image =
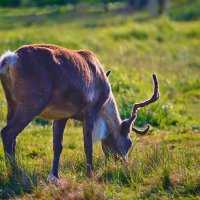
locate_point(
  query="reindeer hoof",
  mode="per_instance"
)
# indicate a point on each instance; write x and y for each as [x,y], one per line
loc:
[90,174]
[52,179]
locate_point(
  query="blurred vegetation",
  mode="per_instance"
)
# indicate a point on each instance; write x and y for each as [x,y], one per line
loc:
[134,45]
[176,9]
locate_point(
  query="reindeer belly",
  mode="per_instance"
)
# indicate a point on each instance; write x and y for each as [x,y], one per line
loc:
[66,103]
[56,112]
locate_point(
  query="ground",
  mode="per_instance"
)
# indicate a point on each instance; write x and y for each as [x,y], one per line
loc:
[161,165]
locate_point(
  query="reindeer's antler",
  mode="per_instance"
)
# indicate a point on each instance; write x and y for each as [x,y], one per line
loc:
[108,73]
[141,132]
[154,98]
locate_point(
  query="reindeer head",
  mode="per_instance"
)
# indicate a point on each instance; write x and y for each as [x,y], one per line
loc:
[121,144]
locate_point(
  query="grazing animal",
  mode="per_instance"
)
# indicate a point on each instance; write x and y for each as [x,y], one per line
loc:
[57,83]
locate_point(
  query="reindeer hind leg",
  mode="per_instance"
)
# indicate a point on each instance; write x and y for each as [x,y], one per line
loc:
[16,122]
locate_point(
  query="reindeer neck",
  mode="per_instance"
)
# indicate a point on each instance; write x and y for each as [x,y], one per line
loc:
[111,115]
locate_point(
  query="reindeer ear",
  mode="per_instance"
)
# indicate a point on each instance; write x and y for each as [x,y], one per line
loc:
[108,73]
[125,127]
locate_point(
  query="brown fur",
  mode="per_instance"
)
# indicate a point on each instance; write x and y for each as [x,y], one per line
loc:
[55,83]
[71,77]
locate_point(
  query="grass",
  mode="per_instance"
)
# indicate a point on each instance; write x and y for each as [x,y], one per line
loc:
[162,165]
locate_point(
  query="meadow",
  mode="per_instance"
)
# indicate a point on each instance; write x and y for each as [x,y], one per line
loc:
[165,164]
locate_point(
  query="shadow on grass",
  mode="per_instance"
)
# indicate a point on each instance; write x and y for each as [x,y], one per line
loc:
[90,18]
[40,16]
[183,191]
[17,184]
[191,190]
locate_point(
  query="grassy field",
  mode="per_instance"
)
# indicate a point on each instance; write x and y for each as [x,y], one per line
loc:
[163,165]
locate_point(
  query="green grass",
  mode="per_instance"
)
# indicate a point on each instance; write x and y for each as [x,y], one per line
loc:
[162,165]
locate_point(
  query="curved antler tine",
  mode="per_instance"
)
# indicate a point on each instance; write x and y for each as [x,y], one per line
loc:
[141,132]
[108,74]
[154,97]
[156,90]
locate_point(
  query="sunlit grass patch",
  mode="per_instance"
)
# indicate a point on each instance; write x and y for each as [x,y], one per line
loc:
[161,165]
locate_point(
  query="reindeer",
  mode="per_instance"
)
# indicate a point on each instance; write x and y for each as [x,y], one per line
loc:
[58,84]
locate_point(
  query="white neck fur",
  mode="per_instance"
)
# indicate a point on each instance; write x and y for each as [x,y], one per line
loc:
[108,120]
